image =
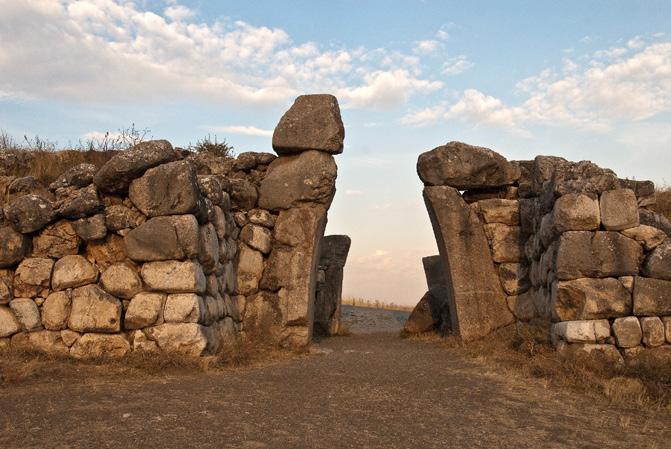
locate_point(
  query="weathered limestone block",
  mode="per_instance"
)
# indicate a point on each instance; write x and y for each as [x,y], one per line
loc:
[522,305]
[117,173]
[312,123]
[576,212]
[261,217]
[56,240]
[648,236]
[143,344]
[434,272]
[91,228]
[174,276]
[183,338]
[73,271]
[94,310]
[500,211]
[9,325]
[596,254]
[583,331]
[653,331]
[96,346]
[77,203]
[184,308]
[652,297]
[514,278]
[118,217]
[13,246]
[291,180]
[590,299]
[627,332]
[507,242]
[209,248]
[164,238]
[464,166]
[169,189]
[658,263]
[29,213]
[121,280]
[250,270]
[56,311]
[477,303]
[256,237]
[144,310]
[27,313]
[33,277]
[79,176]
[333,255]
[619,209]
[48,342]
[104,253]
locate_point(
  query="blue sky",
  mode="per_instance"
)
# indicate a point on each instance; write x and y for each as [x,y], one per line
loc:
[584,80]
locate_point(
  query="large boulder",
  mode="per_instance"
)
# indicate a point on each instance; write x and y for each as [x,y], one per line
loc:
[29,213]
[13,246]
[464,166]
[174,277]
[312,123]
[164,238]
[474,312]
[117,174]
[292,180]
[94,310]
[596,254]
[169,189]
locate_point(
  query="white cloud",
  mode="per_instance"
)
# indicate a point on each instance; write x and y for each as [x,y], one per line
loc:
[115,51]
[243,130]
[456,65]
[426,46]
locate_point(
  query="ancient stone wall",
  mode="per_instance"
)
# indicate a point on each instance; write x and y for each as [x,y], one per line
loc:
[162,249]
[553,240]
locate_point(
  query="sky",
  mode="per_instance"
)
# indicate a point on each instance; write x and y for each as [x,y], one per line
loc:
[578,79]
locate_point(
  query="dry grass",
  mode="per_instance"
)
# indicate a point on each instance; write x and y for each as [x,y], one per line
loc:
[663,202]
[526,350]
[360,302]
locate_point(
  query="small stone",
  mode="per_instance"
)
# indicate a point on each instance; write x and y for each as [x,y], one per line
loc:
[522,306]
[653,331]
[27,313]
[104,253]
[9,325]
[69,337]
[144,310]
[118,217]
[56,240]
[73,271]
[13,246]
[627,332]
[576,212]
[220,223]
[174,277]
[143,344]
[244,195]
[312,123]
[94,310]
[91,228]
[6,286]
[619,209]
[648,236]
[76,203]
[169,189]
[209,248]
[257,237]
[121,280]
[32,277]
[55,311]
[210,186]
[261,217]
[95,346]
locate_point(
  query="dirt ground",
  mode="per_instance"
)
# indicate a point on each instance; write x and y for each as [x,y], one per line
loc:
[362,391]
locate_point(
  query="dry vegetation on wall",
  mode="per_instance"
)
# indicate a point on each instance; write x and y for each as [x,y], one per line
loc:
[45,160]
[526,350]
[663,202]
[375,304]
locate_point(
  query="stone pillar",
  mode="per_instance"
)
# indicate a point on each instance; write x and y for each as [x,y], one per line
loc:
[334,250]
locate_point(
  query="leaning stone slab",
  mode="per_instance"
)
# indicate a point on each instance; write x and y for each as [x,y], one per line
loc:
[94,310]
[464,166]
[117,173]
[583,254]
[652,297]
[169,189]
[174,277]
[477,302]
[312,123]
[308,177]
[332,256]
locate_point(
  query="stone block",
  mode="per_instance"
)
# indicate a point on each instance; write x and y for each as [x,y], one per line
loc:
[658,263]
[184,308]
[507,242]
[9,325]
[174,277]
[653,331]
[257,237]
[522,306]
[121,280]
[576,212]
[514,278]
[104,253]
[56,240]
[649,236]
[250,270]
[91,228]
[190,339]
[27,313]
[73,271]
[145,309]
[667,328]
[590,299]
[119,216]
[29,213]
[94,310]
[48,342]
[13,246]
[261,217]
[582,331]
[500,211]
[652,297]
[169,189]
[56,311]
[97,346]
[164,238]
[209,248]
[619,209]
[33,277]
[627,332]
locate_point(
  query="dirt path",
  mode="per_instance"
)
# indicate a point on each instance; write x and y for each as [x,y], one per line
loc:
[366,391]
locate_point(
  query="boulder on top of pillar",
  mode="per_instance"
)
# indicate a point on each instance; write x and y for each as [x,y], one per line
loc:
[312,123]
[464,166]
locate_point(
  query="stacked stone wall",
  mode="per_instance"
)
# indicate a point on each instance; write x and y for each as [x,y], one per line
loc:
[566,242]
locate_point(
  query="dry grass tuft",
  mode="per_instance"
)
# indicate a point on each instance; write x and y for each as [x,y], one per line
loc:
[375,304]
[527,350]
